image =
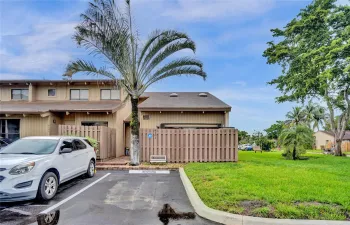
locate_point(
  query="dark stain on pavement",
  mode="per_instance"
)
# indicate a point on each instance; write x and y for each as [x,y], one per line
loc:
[167,213]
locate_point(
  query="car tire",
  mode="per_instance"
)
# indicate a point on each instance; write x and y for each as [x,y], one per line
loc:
[47,187]
[91,169]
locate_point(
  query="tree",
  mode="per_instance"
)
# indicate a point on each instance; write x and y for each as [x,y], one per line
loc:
[296,139]
[107,32]
[296,116]
[319,117]
[275,130]
[314,115]
[242,135]
[314,52]
[327,125]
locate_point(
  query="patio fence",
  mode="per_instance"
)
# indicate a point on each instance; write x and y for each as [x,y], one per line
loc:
[190,145]
[105,136]
[345,146]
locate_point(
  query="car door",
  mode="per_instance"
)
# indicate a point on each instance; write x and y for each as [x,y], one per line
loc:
[81,155]
[65,162]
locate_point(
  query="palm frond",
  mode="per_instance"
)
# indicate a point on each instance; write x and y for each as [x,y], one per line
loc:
[158,41]
[86,67]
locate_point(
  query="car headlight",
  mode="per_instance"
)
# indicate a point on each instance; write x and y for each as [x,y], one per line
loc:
[22,168]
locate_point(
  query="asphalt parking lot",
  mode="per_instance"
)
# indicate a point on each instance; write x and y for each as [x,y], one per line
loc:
[111,197]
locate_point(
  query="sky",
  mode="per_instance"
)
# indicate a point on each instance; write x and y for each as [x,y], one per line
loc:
[230,35]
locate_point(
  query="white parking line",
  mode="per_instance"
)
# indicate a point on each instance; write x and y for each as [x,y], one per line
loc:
[149,172]
[72,196]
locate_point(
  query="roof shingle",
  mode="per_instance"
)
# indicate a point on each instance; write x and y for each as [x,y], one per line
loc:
[184,101]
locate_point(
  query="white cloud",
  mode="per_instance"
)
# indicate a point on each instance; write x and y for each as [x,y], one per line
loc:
[194,10]
[257,94]
[240,83]
[11,76]
[46,48]
[47,36]
[343,2]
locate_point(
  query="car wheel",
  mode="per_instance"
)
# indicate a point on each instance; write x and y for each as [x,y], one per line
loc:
[48,186]
[91,169]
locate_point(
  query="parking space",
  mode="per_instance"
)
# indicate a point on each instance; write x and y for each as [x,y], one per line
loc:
[115,197]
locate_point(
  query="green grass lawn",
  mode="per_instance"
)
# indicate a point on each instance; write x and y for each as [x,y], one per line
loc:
[267,185]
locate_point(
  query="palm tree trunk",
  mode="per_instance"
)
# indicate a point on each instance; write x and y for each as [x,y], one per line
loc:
[337,151]
[135,132]
[295,152]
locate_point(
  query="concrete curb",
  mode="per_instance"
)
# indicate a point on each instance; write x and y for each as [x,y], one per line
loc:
[106,167]
[234,219]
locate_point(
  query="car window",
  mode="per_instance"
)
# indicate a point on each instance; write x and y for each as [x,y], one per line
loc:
[2,143]
[87,141]
[68,143]
[79,144]
[31,146]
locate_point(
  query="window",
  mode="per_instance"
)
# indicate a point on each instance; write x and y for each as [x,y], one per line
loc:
[31,146]
[79,94]
[68,143]
[19,94]
[110,94]
[51,92]
[79,144]
[9,129]
[95,123]
[145,117]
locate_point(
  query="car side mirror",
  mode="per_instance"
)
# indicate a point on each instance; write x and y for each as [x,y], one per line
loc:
[66,150]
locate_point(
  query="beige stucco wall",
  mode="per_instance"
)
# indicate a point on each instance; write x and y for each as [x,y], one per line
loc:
[63,92]
[32,125]
[40,92]
[122,114]
[156,118]
[322,138]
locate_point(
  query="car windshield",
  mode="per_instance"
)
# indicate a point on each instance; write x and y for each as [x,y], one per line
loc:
[31,146]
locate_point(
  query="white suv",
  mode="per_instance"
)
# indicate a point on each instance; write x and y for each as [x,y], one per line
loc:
[33,167]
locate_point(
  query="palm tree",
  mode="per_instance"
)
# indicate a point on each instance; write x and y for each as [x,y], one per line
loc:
[296,116]
[314,115]
[296,139]
[319,117]
[309,111]
[108,32]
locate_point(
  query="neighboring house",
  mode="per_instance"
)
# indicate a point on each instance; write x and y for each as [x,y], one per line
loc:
[38,107]
[325,138]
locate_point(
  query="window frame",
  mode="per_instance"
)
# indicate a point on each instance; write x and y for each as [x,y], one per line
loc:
[80,99]
[110,94]
[61,144]
[51,96]
[20,89]
[76,147]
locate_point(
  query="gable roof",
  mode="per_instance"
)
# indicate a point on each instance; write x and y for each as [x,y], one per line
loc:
[346,135]
[185,101]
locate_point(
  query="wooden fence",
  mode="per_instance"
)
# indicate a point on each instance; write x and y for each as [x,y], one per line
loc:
[186,145]
[105,136]
[345,146]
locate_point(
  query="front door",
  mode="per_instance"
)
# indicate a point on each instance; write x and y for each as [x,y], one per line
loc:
[9,129]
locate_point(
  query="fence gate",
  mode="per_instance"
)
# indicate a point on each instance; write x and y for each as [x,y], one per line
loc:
[186,145]
[105,136]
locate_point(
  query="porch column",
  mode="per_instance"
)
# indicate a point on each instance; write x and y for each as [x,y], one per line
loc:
[31,93]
